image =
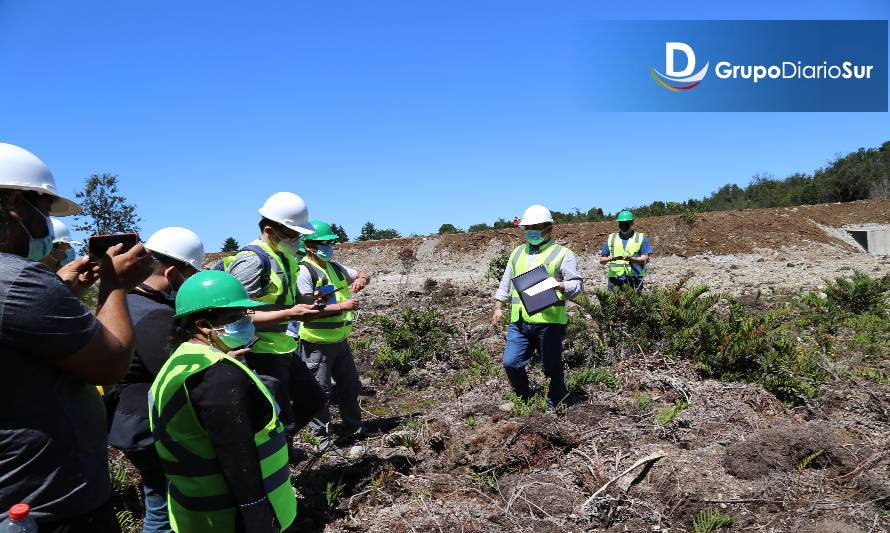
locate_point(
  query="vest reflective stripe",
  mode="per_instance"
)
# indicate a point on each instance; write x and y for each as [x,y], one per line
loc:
[334,328]
[619,268]
[199,497]
[279,295]
[551,256]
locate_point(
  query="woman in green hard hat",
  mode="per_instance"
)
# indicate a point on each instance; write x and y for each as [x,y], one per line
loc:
[215,424]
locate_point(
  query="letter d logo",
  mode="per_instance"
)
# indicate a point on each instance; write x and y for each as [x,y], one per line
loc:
[674,80]
[669,51]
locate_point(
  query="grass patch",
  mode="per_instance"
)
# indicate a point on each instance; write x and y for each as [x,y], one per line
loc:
[592,376]
[535,404]
[668,414]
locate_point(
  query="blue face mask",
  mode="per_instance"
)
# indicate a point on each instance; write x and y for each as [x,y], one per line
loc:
[69,257]
[534,236]
[238,333]
[40,247]
[325,252]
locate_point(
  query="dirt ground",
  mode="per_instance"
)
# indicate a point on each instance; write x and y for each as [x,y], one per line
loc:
[441,455]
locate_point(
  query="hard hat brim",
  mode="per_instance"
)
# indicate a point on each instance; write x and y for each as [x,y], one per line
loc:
[61,206]
[305,229]
[231,305]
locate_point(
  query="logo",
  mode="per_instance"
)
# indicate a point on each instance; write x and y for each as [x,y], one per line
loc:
[683,80]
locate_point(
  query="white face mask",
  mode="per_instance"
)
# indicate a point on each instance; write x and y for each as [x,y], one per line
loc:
[289,246]
[38,248]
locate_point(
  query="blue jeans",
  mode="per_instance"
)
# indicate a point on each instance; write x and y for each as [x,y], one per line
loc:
[524,338]
[154,485]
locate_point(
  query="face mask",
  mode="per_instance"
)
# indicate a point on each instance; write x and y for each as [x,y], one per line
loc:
[624,227]
[69,257]
[40,247]
[237,334]
[289,246]
[325,252]
[534,236]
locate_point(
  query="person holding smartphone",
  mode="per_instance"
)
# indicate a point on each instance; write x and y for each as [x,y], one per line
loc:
[323,341]
[178,255]
[215,424]
[53,353]
[625,254]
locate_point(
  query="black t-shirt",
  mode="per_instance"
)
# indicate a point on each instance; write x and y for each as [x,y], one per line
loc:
[52,424]
[152,316]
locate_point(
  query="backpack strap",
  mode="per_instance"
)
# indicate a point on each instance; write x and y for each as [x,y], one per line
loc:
[265,264]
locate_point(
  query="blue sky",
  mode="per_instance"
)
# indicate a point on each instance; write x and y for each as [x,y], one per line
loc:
[407,114]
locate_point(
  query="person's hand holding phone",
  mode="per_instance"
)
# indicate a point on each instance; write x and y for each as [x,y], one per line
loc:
[79,275]
[125,270]
[303,312]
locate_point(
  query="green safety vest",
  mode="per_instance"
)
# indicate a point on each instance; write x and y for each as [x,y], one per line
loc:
[334,328]
[619,268]
[279,294]
[198,497]
[550,255]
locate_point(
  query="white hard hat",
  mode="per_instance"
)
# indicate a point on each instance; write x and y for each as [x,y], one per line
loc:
[61,232]
[178,243]
[536,214]
[21,170]
[289,210]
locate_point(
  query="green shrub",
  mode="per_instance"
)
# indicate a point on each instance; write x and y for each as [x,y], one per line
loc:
[670,413]
[482,364]
[498,265]
[536,403]
[389,359]
[592,376]
[416,336]
[710,521]
[642,401]
[859,294]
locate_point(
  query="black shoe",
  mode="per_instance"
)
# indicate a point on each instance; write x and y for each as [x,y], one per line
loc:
[295,455]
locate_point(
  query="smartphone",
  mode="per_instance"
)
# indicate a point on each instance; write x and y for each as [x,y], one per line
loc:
[251,343]
[327,292]
[99,244]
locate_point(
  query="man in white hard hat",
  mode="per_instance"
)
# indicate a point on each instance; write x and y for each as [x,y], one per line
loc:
[63,252]
[54,353]
[178,254]
[543,331]
[268,268]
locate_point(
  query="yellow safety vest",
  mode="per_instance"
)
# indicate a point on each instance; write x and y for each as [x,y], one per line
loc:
[334,328]
[619,268]
[550,255]
[199,498]
[279,294]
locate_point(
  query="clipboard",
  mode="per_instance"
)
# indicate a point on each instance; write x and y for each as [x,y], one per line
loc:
[537,303]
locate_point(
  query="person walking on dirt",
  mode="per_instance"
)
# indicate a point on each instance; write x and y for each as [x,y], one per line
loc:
[216,428]
[178,254]
[625,254]
[268,270]
[54,352]
[323,341]
[543,331]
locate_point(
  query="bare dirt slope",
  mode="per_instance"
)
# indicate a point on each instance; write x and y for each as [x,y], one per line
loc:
[737,251]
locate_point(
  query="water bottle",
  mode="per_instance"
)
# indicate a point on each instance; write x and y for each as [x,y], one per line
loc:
[19,521]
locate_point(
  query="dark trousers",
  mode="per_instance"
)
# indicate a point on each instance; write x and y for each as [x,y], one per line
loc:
[522,340]
[293,386]
[102,520]
[154,487]
[334,361]
[633,283]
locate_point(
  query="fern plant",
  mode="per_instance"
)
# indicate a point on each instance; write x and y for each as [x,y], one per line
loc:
[711,520]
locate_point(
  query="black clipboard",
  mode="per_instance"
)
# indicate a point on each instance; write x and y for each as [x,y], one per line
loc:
[537,303]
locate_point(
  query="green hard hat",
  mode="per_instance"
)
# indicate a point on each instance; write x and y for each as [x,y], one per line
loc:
[323,232]
[211,289]
[625,216]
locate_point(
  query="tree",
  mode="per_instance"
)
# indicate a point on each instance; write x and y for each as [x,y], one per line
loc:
[446,229]
[341,233]
[478,227]
[371,233]
[368,232]
[105,210]
[230,245]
